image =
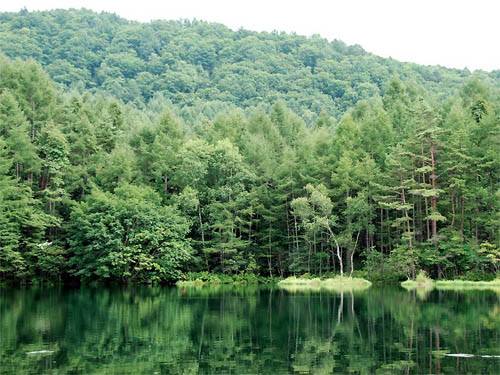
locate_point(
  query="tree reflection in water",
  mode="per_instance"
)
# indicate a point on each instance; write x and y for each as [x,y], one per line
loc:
[243,330]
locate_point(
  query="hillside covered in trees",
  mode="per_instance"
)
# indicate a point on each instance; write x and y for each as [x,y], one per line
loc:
[140,152]
[208,66]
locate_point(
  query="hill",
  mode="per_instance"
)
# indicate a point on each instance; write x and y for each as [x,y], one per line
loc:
[174,150]
[189,62]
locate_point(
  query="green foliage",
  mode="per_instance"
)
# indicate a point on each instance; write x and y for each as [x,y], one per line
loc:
[204,277]
[246,329]
[127,235]
[188,62]
[381,268]
[22,229]
[477,275]
[422,277]
[239,154]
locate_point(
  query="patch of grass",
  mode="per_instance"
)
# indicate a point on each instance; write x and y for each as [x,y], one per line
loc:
[424,283]
[346,281]
[207,278]
[468,285]
[495,282]
[421,281]
[196,282]
[294,284]
[292,280]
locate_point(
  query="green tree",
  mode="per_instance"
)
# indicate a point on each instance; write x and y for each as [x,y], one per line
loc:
[127,235]
[315,211]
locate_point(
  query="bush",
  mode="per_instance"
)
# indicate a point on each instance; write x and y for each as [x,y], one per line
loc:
[478,275]
[379,267]
[218,278]
[127,235]
[422,277]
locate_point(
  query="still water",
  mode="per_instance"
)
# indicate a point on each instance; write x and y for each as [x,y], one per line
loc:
[247,330]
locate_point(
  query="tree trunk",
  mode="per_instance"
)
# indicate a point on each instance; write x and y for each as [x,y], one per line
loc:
[339,256]
[269,252]
[425,199]
[352,254]
[452,209]
[434,198]
[203,238]
[462,217]
[408,228]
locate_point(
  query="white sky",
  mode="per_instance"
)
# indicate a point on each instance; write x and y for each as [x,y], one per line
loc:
[433,32]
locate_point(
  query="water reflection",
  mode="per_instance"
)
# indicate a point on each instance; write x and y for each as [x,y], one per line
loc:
[247,330]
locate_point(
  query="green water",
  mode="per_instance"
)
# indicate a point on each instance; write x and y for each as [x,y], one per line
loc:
[247,330]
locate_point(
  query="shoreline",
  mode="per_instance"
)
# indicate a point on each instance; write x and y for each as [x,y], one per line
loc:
[429,284]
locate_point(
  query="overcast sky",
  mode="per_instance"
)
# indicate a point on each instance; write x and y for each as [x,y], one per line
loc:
[433,32]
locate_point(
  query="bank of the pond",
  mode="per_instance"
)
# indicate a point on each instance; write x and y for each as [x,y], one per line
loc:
[423,282]
[207,278]
[335,283]
[304,281]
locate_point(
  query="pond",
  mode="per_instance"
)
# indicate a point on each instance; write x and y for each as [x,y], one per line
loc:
[247,330]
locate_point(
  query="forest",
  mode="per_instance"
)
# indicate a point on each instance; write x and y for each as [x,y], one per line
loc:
[146,153]
[208,68]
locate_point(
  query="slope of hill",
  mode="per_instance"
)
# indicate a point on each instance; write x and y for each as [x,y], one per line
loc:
[225,180]
[189,62]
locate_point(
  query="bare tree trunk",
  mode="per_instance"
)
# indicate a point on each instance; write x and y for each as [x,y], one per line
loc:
[203,238]
[296,239]
[452,209]
[434,198]
[352,253]
[425,199]
[339,256]
[462,217]
[408,228]
[309,250]
[288,232]
[269,251]
[381,230]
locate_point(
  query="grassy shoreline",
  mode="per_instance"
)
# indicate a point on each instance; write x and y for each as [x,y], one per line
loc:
[207,278]
[468,285]
[422,282]
[304,282]
[337,283]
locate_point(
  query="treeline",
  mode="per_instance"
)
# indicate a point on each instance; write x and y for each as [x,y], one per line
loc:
[91,189]
[208,67]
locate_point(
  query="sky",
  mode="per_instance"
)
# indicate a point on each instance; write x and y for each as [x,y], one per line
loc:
[455,34]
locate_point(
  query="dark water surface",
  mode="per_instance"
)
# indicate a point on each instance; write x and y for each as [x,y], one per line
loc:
[247,330]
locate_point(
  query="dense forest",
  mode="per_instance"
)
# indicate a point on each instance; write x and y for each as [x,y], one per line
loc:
[206,67]
[141,152]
